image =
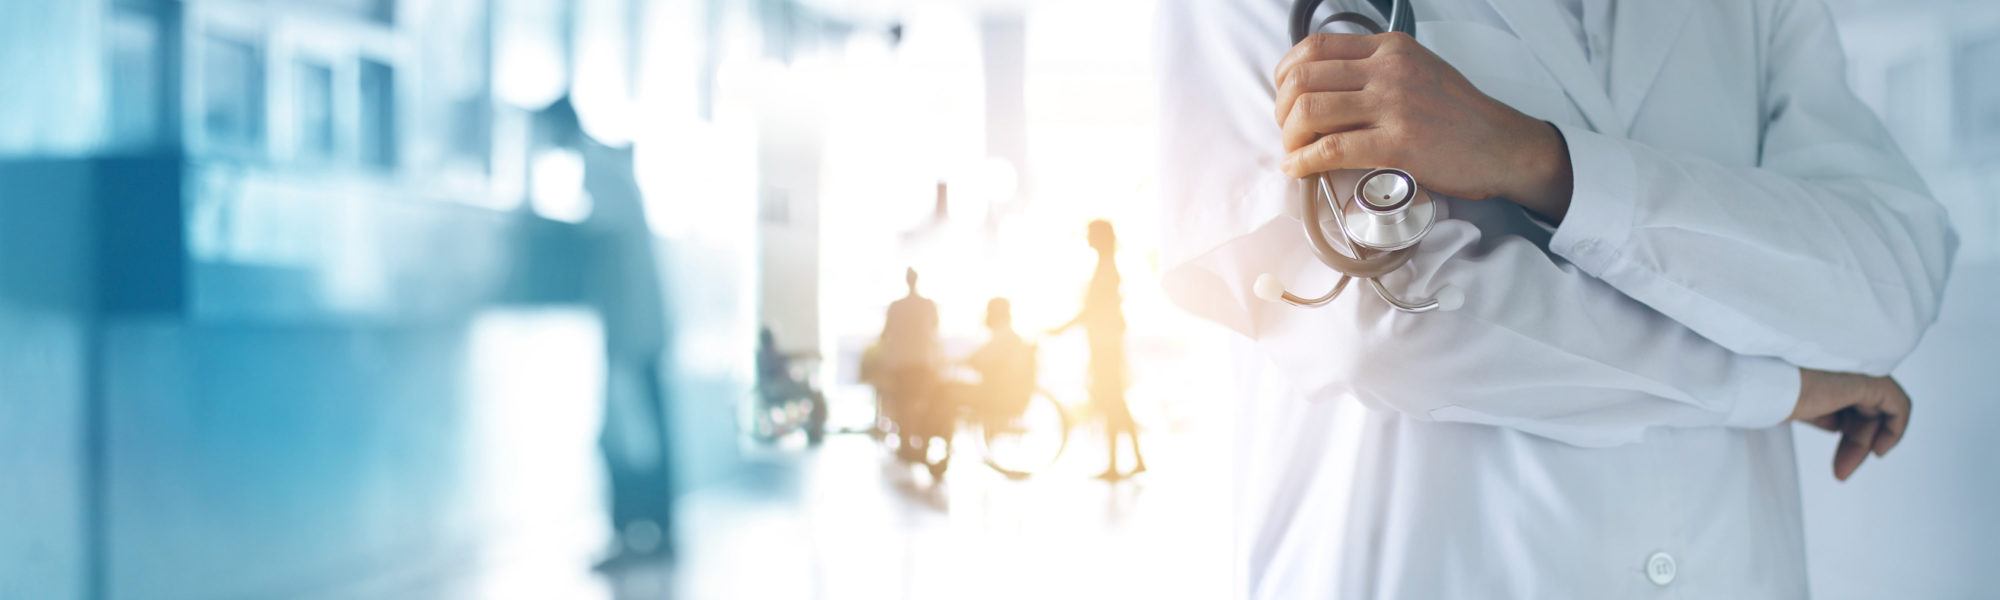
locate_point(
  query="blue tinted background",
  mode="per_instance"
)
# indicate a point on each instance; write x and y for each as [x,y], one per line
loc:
[297,297]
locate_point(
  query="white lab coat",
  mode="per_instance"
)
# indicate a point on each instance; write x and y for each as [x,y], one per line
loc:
[1604,414]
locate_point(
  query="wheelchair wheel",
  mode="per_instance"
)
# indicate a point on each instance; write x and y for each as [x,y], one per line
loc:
[771,421]
[768,422]
[1029,442]
[937,456]
[921,438]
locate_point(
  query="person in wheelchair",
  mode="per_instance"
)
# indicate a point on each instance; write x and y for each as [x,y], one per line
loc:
[778,384]
[1006,368]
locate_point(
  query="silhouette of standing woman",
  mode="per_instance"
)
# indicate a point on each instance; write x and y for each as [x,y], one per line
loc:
[1103,324]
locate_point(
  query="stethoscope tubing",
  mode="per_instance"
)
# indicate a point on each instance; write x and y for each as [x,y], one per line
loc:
[1398,11]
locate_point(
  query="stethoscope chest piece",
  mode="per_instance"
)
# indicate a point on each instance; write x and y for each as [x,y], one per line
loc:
[1386,212]
[1382,220]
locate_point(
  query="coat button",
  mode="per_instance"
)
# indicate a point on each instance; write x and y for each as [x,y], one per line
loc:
[1660,568]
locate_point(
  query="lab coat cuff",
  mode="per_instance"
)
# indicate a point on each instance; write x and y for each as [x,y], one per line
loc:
[1767,396]
[1599,220]
[1539,222]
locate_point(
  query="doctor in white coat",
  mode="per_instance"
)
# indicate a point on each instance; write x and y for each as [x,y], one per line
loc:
[1675,227]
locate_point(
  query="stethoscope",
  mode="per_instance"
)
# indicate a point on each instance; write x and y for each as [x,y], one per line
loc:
[1382,218]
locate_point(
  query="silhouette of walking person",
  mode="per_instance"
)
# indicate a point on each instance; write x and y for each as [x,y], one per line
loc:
[910,358]
[1103,322]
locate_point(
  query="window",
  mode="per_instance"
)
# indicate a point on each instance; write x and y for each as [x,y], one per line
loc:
[312,109]
[136,65]
[232,93]
[378,115]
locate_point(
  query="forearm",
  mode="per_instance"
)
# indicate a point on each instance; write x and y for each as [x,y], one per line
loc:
[1820,246]
[1547,182]
[1825,266]
[1538,347]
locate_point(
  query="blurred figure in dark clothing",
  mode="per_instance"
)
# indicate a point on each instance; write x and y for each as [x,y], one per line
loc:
[623,284]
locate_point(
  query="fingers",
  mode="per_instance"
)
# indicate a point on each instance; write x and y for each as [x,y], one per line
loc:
[1896,411]
[1323,76]
[1857,437]
[1357,149]
[1326,46]
[1866,409]
[1321,113]
[1892,432]
[1872,415]
[1322,108]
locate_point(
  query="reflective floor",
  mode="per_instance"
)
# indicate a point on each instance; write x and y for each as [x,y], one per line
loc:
[844,521]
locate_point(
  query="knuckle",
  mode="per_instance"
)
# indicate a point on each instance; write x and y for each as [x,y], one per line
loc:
[1328,149]
[1319,44]
[1312,158]
[1311,104]
[1390,65]
[1334,106]
[1387,43]
[1303,117]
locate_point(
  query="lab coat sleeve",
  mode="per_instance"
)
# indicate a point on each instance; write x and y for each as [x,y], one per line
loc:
[1539,346]
[1829,253]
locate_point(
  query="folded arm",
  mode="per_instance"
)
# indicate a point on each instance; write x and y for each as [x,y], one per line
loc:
[1540,346]
[1829,253]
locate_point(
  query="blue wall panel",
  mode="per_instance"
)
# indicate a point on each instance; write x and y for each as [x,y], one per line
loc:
[259,460]
[45,296]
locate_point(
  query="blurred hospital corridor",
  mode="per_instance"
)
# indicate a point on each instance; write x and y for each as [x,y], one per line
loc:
[745,300]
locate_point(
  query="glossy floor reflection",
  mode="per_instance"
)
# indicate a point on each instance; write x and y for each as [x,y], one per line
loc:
[844,521]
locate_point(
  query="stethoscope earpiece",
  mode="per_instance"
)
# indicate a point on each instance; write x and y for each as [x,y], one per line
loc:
[1268,288]
[1450,298]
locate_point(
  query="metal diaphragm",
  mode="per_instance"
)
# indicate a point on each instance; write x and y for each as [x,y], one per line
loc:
[1387,211]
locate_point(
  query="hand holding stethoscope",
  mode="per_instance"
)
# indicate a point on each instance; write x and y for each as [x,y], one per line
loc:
[1348,103]
[1382,218]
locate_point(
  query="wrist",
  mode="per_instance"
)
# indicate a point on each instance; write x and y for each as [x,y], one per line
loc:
[1808,388]
[1544,182]
[1823,393]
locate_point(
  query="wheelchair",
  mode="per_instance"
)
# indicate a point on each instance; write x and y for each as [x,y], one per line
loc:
[922,410]
[787,405]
